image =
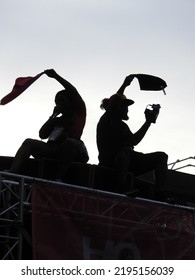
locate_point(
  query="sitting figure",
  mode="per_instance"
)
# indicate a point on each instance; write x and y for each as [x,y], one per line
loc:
[63,130]
[116,142]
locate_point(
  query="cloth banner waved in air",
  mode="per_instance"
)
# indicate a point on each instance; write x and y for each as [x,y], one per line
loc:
[21,84]
[149,82]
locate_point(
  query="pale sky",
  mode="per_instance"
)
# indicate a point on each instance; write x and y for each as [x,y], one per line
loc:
[95,44]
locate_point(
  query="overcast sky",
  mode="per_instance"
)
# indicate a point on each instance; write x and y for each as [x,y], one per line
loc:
[95,44]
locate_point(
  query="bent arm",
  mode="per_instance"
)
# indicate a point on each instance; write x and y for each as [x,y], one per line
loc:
[71,90]
[139,135]
[53,74]
[125,84]
[47,128]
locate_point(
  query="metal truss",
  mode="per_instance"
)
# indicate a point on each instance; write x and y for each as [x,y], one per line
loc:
[14,203]
[172,165]
[15,206]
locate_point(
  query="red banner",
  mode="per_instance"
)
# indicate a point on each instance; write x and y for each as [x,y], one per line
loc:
[21,84]
[75,223]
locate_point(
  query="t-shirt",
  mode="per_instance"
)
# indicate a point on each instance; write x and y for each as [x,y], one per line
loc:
[111,135]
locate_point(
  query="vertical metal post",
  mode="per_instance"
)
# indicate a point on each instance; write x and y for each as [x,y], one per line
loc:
[20,216]
[1,193]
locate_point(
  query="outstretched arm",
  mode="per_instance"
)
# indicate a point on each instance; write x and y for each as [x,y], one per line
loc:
[71,91]
[53,74]
[125,84]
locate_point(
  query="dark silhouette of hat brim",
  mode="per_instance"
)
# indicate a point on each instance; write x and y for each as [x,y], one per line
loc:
[121,98]
[128,102]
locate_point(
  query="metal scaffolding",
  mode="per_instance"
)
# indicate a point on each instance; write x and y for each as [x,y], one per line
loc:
[172,164]
[14,204]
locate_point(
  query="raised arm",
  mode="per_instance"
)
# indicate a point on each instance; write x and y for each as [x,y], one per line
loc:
[125,84]
[53,74]
[72,93]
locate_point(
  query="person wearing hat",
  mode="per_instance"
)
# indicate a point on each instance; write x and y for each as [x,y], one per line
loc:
[63,131]
[115,142]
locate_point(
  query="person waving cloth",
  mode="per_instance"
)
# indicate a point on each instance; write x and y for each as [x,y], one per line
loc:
[63,131]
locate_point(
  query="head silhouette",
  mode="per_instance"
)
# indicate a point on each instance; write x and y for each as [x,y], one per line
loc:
[62,101]
[117,105]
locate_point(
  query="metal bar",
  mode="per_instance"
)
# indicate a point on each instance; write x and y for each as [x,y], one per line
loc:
[20,216]
[10,250]
[178,161]
[8,209]
[187,165]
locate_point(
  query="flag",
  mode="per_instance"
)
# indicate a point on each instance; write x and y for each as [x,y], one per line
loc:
[21,84]
[149,82]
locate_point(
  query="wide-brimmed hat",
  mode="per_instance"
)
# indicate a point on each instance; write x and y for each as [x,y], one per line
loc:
[121,97]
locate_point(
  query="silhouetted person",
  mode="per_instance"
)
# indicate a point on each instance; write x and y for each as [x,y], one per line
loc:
[116,142]
[63,131]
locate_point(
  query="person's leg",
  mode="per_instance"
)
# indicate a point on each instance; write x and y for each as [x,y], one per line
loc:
[141,163]
[66,155]
[71,150]
[29,147]
[160,170]
[121,165]
[122,168]
[82,155]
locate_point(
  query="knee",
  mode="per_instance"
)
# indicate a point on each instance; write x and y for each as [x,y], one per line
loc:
[28,142]
[28,145]
[163,157]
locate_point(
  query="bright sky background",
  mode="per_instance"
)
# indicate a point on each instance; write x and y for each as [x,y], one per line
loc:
[95,44]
